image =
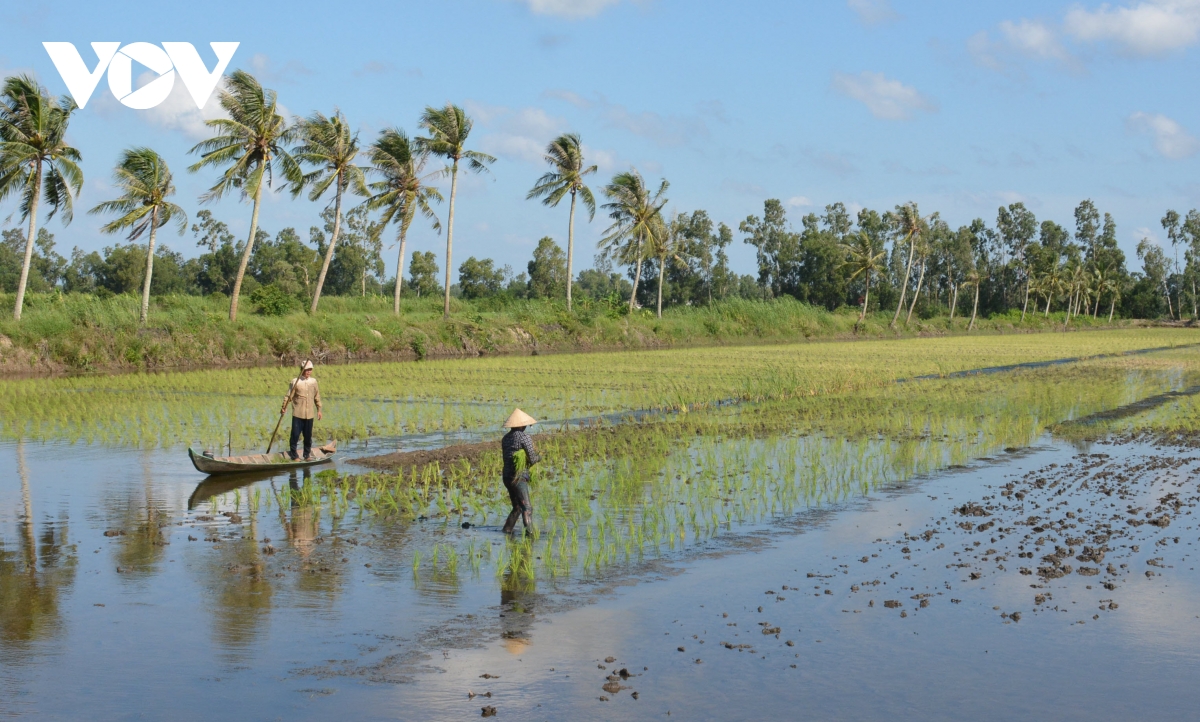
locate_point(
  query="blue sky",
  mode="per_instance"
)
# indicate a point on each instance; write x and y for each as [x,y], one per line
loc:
[959,106]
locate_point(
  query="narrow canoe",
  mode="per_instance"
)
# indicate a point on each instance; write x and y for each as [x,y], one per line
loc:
[277,461]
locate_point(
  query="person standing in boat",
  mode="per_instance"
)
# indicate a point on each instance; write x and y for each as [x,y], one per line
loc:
[519,454]
[305,399]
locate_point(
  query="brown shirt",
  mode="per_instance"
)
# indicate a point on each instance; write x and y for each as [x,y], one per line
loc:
[306,401]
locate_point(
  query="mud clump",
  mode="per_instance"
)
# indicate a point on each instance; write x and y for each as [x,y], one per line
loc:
[893,604]
[488,711]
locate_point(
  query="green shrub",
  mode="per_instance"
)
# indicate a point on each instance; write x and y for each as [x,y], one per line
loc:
[272,300]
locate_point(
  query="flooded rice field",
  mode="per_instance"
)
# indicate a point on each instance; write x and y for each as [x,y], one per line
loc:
[1016,543]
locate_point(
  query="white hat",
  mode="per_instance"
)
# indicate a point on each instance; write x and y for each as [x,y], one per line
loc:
[307,366]
[519,418]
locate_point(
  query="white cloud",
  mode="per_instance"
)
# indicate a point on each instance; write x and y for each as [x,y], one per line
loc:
[1140,28]
[264,68]
[873,12]
[669,130]
[743,188]
[520,134]
[984,51]
[1171,140]
[179,112]
[1033,39]
[885,98]
[572,9]
[604,160]
[799,202]
[1152,27]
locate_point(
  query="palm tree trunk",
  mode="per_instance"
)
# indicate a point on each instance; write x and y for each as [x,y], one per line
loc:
[637,276]
[866,299]
[975,309]
[1111,307]
[1195,312]
[237,281]
[570,248]
[1166,294]
[916,294]
[912,244]
[399,270]
[450,235]
[337,229]
[33,209]
[1025,306]
[662,267]
[149,264]
[954,303]
[1048,297]
[27,525]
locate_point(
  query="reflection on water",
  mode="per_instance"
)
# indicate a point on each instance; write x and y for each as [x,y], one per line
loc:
[33,578]
[256,577]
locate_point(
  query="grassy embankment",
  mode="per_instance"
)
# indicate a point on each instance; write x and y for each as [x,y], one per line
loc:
[385,399]
[79,332]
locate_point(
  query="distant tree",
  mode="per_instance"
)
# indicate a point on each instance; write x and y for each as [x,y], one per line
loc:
[566,174]
[1017,227]
[1155,268]
[448,129]
[328,144]
[547,270]
[358,262]
[1190,232]
[146,183]
[864,258]
[636,214]
[478,279]
[423,273]
[777,247]
[46,268]
[35,161]
[401,192]
[722,277]
[1087,229]
[286,263]
[251,145]
[908,226]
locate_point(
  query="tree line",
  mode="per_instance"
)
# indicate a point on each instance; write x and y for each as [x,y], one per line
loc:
[873,260]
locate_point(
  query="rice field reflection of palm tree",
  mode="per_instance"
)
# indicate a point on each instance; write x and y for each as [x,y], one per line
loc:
[142,547]
[32,579]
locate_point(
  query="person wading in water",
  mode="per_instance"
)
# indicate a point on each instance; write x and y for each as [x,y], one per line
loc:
[519,455]
[305,398]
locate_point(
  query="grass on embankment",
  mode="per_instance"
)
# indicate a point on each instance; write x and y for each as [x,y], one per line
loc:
[78,332]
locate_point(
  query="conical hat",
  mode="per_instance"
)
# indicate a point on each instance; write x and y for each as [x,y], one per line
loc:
[519,418]
[307,366]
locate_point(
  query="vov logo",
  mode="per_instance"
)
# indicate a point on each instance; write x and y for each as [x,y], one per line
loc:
[118,60]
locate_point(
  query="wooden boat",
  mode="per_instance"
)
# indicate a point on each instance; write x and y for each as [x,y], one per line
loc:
[278,461]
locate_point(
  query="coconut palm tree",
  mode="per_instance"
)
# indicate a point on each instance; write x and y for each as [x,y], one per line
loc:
[35,161]
[402,190]
[974,279]
[664,245]
[146,182]
[251,144]
[448,130]
[864,260]
[637,218]
[328,144]
[565,156]
[909,225]
[923,249]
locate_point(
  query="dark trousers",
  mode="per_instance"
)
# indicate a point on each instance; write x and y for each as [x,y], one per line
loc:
[522,507]
[301,426]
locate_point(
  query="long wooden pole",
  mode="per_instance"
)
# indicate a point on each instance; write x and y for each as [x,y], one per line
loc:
[282,413]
